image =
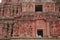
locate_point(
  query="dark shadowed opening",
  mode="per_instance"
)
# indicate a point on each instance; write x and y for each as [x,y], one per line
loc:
[38,8]
[40,32]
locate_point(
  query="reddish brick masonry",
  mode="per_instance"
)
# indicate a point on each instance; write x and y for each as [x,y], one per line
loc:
[29,19]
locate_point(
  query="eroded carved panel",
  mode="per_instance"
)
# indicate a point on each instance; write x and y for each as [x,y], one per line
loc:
[23,29]
[55,28]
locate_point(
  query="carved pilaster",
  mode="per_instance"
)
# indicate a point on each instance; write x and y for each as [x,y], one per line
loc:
[10,30]
[5,31]
[48,29]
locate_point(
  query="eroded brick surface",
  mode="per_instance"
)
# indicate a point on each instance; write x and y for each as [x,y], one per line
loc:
[20,19]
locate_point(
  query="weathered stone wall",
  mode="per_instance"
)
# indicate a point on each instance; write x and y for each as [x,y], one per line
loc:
[33,39]
[27,21]
[36,39]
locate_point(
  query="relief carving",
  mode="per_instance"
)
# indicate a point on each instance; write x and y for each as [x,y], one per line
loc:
[25,29]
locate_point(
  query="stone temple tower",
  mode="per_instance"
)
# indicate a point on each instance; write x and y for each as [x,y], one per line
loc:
[29,18]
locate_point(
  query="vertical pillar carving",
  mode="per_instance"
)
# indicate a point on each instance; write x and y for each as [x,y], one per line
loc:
[1,31]
[10,30]
[48,29]
[5,30]
[54,29]
[16,30]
